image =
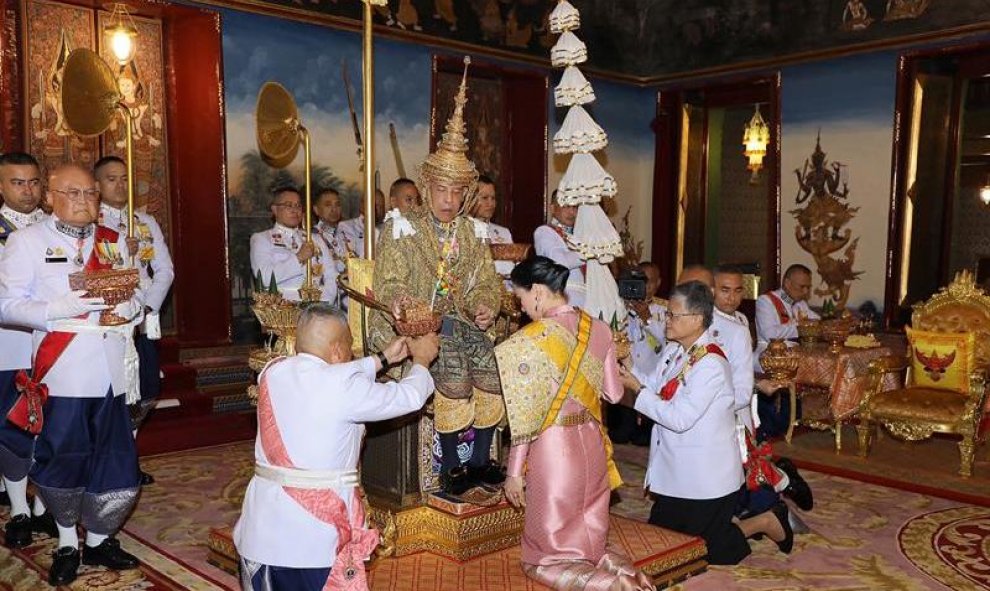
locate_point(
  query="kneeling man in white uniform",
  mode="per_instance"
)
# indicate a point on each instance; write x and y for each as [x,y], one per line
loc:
[302,523]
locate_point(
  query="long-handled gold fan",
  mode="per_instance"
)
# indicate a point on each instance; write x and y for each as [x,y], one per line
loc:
[90,100]
[279,132]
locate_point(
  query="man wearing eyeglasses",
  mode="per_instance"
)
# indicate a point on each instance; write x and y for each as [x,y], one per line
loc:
[85,463]
[155,266]
[282,251]
[20,188]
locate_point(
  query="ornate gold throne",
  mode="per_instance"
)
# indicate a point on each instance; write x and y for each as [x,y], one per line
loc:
[914,413]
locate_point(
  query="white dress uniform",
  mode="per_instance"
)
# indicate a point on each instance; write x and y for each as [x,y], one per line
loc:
[16,345]
[86,419]
[155,261]
[35,268]
[320,410]
[274,251]
[694,453]
[735,340]
[15,342]
[353,232]
[548,241]
[333,236]
[769,324]
[648,340]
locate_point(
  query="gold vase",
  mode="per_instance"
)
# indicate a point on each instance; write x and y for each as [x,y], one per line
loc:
[779,362]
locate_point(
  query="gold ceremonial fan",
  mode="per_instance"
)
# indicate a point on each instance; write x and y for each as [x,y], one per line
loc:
[278,126]
[90,98]
[90,101]
[279,133]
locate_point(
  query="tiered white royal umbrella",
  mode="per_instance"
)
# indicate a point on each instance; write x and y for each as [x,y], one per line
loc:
[586,182]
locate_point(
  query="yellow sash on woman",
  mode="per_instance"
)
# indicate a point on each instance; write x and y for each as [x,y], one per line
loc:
[528,397]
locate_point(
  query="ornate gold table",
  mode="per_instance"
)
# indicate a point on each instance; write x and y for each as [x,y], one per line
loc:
[841,378]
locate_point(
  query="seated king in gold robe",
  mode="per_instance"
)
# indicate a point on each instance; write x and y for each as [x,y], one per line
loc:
[432,255]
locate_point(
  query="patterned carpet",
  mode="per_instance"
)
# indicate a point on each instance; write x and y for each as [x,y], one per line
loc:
[864,536]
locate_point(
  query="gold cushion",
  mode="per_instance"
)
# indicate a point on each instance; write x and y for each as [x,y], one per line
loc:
[941,360]
[919,404]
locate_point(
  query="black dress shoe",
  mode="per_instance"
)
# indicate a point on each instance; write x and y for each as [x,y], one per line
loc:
[17,533]
[146,479]
[782,514]
[65,566]
[797,489]
[491,474]
[110,555]
[44,524]
[456,481]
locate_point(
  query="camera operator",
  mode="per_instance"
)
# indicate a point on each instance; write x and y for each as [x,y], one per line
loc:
[645,330]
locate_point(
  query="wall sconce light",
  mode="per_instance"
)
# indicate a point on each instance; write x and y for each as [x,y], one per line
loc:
[985,192]
[121,34]
[756,138]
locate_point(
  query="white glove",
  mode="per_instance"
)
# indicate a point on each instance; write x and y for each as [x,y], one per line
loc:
[129,309]
[73,304]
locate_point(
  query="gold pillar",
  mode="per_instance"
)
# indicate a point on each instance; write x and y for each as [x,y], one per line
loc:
[368,100]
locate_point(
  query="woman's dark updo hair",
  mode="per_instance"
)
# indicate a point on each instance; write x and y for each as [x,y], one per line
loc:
[542,271]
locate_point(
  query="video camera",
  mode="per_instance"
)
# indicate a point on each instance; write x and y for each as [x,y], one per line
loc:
[632,285]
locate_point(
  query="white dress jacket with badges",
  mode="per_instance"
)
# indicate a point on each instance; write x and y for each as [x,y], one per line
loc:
[274,251]
[155,288]
[35,270]
[320,410]
[694,453]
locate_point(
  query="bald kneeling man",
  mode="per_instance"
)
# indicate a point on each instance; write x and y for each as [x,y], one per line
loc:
[302,523]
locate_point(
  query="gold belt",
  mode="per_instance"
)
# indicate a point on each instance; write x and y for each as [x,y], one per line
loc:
[573,420]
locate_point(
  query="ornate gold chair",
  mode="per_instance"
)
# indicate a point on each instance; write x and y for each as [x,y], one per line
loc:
[916,411]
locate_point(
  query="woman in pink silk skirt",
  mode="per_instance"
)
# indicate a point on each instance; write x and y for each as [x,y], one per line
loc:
[554,373]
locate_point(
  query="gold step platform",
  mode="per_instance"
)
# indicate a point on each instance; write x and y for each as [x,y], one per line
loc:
[436,550]
[458,531]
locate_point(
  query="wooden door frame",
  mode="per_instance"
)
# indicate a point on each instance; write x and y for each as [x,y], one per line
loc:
[725,92]
[906,71]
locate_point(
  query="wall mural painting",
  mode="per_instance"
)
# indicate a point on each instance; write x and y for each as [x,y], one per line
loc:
[310,61]
[823,191]
[52,30]
[140,83]
[662,37]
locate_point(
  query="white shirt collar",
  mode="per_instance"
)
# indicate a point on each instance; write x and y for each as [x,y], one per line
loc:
[285,229]
[22,220]
[729,317]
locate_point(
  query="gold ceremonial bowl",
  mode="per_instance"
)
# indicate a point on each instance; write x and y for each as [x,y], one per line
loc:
[836,332]
[809,331]
[779,362]
[516,252]
[115,286]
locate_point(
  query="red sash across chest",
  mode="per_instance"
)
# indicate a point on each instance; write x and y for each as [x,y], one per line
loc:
[778,304]
[27,412]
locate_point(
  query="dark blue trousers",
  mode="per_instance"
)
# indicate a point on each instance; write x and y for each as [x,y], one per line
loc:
[283,578]
[773,422]
[86,463]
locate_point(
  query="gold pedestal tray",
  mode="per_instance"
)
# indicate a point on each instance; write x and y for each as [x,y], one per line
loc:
[476,531]
[115,286]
